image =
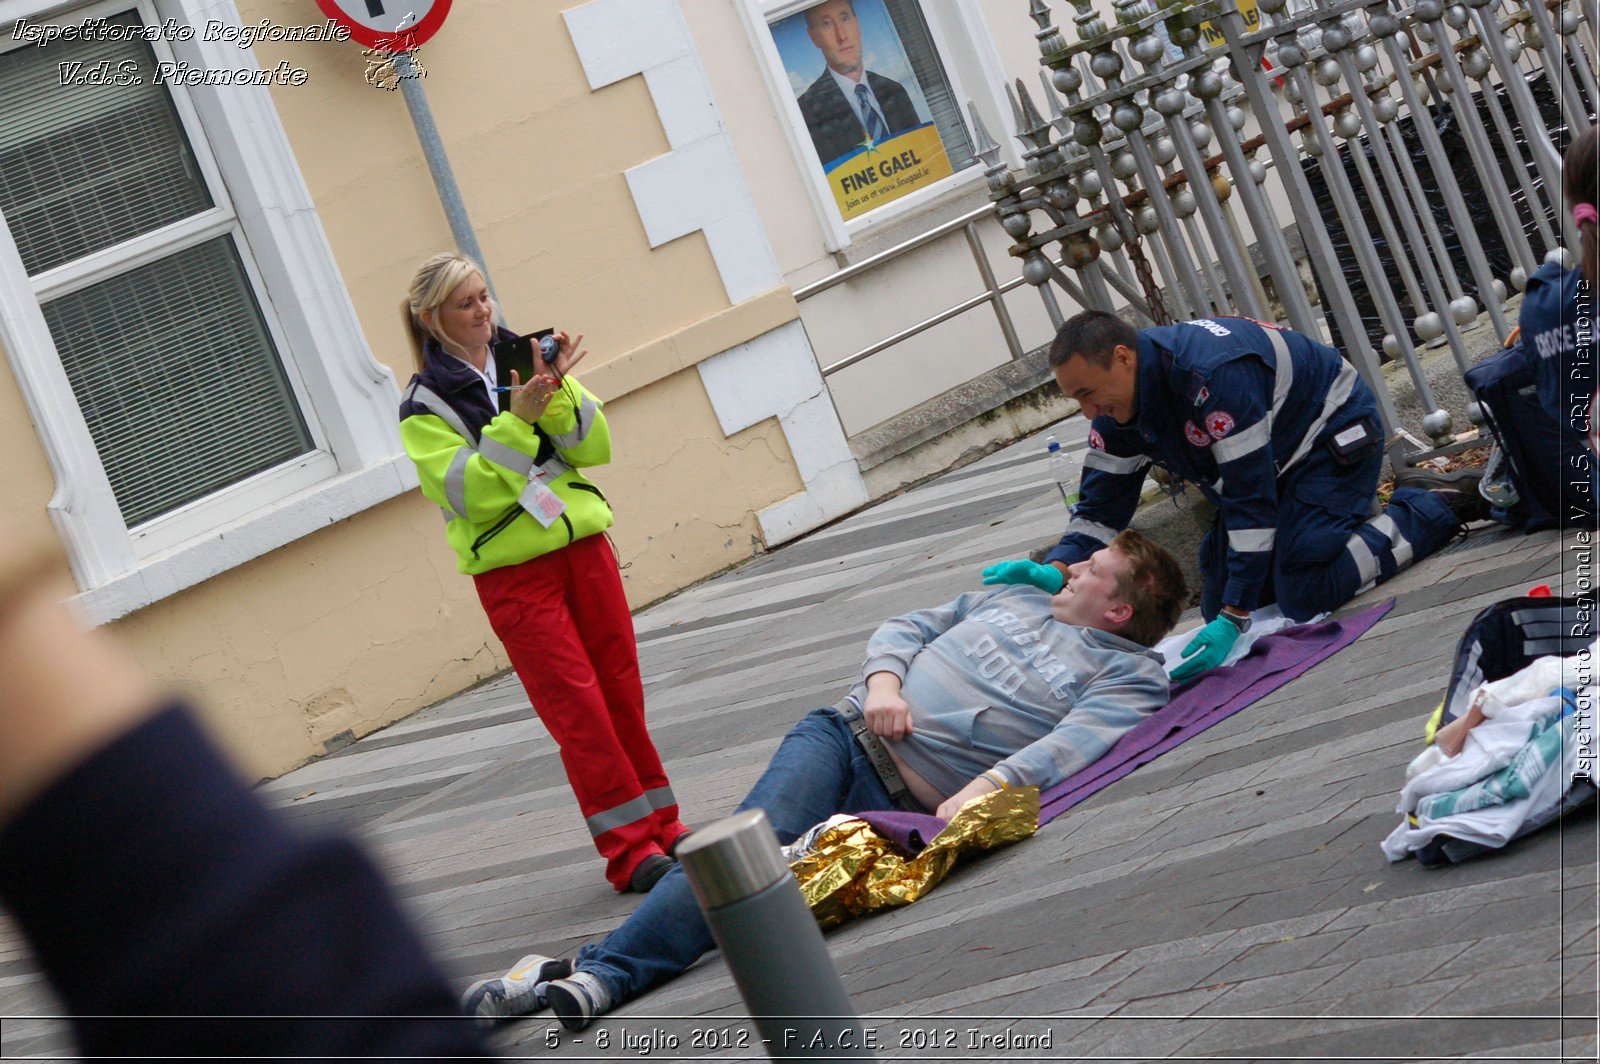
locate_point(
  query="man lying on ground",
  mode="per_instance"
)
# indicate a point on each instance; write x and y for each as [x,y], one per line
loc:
[1001,688]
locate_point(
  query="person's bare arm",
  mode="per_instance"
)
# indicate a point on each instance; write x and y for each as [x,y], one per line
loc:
[67,691]
[977,788]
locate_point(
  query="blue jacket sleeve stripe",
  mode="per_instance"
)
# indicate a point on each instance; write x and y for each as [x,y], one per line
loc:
[1113,463]
[1240,444]
[1283,370]
[1338,395]
[1251,539]
[1081,527]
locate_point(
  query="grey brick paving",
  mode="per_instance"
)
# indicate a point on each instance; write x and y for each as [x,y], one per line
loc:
[1177,912]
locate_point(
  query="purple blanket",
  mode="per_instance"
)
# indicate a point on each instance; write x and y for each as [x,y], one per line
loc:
[1216,695]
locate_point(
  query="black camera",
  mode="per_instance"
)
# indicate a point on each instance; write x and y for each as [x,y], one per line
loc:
[517,354]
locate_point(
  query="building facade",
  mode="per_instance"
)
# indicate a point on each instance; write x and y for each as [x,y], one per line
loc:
[206,228]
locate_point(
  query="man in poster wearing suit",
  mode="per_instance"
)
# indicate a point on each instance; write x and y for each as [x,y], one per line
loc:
[848,103]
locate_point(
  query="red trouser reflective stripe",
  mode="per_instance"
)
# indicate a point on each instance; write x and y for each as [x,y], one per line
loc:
[565,624]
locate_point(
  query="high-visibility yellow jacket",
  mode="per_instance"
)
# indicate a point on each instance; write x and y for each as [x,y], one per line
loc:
[484,467]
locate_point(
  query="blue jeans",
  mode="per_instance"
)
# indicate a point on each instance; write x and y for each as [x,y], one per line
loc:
[818,770]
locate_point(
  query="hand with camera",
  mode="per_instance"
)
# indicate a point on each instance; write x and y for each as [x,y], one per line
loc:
[567,353]
[528,401]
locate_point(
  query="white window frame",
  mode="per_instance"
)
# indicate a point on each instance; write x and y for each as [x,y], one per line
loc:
[347,397]
[943,20]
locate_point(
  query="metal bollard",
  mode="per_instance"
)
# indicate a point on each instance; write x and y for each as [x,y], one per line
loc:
[771,941]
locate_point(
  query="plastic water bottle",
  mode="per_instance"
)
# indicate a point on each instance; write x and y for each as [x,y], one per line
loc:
[1058,467]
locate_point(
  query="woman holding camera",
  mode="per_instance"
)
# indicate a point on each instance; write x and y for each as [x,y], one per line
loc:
[528,528]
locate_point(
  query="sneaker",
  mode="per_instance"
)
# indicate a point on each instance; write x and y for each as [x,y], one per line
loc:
[520,992]
[648,872]
[672,851]
[579,999]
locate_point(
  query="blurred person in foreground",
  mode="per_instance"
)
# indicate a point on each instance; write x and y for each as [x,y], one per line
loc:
[172,913]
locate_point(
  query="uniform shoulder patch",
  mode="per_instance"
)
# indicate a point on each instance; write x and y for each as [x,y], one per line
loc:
[1195,434]
[1097,441]
[1219,423]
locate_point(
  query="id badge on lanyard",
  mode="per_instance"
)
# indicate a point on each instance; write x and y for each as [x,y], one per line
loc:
[537,498]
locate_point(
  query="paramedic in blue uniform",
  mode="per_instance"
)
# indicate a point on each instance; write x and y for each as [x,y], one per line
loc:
[1278,431]
[1557,319]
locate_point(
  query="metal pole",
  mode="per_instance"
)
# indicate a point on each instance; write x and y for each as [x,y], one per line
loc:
[996,298]
[771,941]
[1335,295]
[444,179]
[1385,26]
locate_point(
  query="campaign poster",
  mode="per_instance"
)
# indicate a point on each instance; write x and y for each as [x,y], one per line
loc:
[862,103]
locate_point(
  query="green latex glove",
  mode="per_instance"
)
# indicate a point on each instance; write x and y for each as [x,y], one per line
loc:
[1207,649]
[1022,571]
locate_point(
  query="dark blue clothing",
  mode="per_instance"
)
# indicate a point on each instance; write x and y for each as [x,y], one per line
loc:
[1557,322]
[1250,414]
[151,882]
[818,770]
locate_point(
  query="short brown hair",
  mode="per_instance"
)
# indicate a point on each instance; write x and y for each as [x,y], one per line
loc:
[1153,586]
[1092,335]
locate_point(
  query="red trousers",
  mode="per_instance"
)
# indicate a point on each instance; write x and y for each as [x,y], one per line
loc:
[565,623]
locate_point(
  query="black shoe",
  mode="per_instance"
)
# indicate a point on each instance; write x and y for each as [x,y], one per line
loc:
[672,851]
[1466,504]
[648,872]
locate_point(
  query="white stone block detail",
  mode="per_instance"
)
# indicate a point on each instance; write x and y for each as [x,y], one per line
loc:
[776,375]
[617,39]
[698,186]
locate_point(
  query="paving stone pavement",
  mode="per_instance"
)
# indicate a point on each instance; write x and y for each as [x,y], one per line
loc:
[1228,901]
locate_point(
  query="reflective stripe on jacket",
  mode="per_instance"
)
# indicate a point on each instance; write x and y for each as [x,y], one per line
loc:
[484,467]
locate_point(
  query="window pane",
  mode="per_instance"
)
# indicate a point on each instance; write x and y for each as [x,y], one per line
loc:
[178,379]
[83,167]
[946,109]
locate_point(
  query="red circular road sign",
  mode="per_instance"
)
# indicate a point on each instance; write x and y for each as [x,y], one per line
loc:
[392,25]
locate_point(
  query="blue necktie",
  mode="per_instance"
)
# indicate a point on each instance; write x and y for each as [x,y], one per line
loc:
[877,129]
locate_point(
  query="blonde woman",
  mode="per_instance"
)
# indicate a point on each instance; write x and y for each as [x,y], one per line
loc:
[502,457]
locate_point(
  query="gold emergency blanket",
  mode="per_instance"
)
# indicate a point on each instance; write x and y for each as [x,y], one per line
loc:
[851,869]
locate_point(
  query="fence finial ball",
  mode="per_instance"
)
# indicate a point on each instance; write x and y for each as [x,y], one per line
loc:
[1464,310]
[1519,278]
[1391,347]
[1428,10]
[1436,425]
[1428,327]
[1067,79]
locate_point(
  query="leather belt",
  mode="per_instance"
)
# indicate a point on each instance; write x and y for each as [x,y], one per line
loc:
[878,756]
